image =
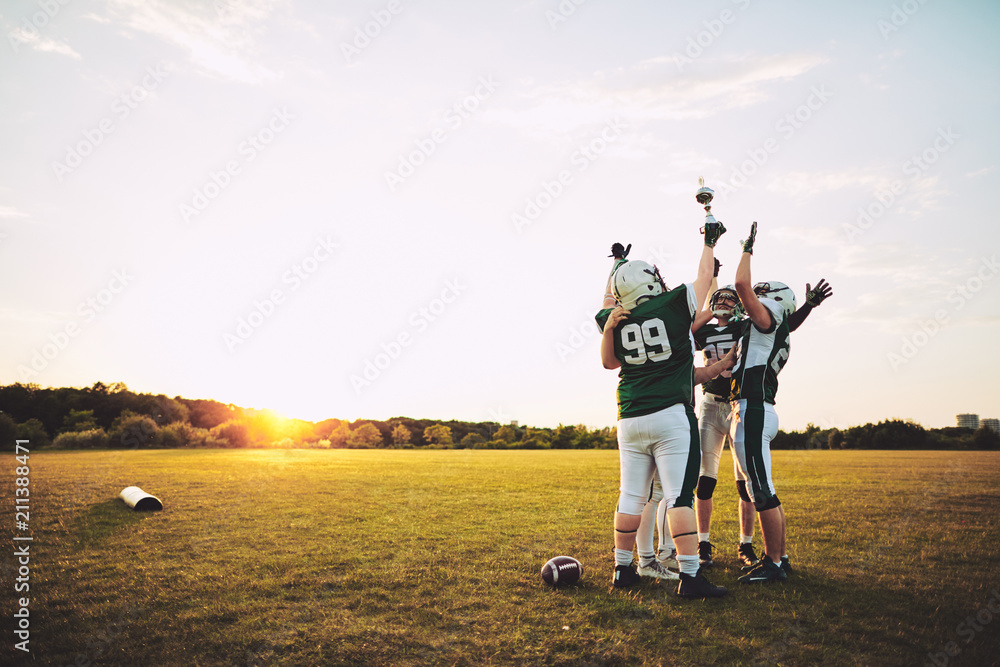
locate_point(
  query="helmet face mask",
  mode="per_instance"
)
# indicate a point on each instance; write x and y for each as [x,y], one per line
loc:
[635,282]
[719,309]
[779,292]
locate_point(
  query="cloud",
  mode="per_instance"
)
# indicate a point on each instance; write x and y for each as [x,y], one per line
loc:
[653,89]
[220,37]
[11,212]
[35,41]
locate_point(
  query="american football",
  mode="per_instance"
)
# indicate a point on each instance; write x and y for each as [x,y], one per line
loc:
[562,570]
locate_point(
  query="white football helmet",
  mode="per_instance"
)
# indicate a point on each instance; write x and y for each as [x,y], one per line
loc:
[635,282]
[734,312]
[780,292]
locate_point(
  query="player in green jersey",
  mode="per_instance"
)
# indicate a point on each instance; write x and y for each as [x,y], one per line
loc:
[646,333]
[715,414]
[762,352]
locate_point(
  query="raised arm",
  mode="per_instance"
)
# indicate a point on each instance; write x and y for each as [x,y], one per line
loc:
[707,268]
[814,297]
[756,311]
[608,358]
[619,252]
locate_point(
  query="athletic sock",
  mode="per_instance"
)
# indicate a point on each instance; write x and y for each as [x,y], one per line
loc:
[746,539]
[646,559]
[623,557]
[703,537]
[688,564]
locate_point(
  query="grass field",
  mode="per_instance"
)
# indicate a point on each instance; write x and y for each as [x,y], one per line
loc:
[432,558]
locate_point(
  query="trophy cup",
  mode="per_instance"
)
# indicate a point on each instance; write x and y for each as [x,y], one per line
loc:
[704,197]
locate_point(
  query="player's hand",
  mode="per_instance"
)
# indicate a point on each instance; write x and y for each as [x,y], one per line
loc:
[712,232]
[620,252]
[748,244]
[718,265]
[729,360]
[616,316]
[816,295]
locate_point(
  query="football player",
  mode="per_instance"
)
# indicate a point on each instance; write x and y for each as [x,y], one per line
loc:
[714,418]
[646,333]
[762,352]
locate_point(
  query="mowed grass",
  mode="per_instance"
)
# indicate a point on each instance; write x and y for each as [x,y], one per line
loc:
[433,558]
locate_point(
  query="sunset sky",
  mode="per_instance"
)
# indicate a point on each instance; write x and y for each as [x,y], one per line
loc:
[389,208]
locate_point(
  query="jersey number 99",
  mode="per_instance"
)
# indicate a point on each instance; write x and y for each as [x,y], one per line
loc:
[646,341]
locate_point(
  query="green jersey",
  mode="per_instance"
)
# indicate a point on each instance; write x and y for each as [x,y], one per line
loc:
[714,343]
[655,349]
[761,356]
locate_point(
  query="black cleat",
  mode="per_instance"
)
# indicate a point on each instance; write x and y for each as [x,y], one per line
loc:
[705,554]
[785,565]
[746,555]
[766,572]
[625,576]
[697,586]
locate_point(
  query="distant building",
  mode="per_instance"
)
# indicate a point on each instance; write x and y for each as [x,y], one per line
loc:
[992,424]
[967,421]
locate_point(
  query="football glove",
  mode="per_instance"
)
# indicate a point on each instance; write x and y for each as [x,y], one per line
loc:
[748,244]
[619,252]
[816,295]
[712,232]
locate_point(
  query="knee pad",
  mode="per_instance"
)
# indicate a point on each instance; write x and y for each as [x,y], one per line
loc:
[741,486]
[768,504]
[706,487]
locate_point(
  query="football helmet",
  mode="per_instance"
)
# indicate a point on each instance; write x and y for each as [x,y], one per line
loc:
[635,282]
[780,292]
[733,312]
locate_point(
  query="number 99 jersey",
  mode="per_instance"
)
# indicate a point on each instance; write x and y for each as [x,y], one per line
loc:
[654,347]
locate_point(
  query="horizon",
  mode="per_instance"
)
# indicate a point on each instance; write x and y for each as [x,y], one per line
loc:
[406,208]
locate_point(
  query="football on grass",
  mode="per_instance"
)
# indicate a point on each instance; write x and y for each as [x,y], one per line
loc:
[562,570]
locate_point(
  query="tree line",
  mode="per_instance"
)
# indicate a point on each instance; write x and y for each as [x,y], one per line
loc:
[113,417]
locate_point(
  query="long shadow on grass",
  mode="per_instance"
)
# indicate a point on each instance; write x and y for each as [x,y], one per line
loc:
[105,519]
[817,617]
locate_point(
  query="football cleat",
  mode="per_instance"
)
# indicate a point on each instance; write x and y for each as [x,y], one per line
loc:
[785,565]
[705,554]
[657,570]
[625,576]
[746,555]
[765,573]
[697,586]
[670,561]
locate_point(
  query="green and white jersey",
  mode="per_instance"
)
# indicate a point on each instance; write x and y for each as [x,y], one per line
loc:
[715,341]
[656,352]
[761,356]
